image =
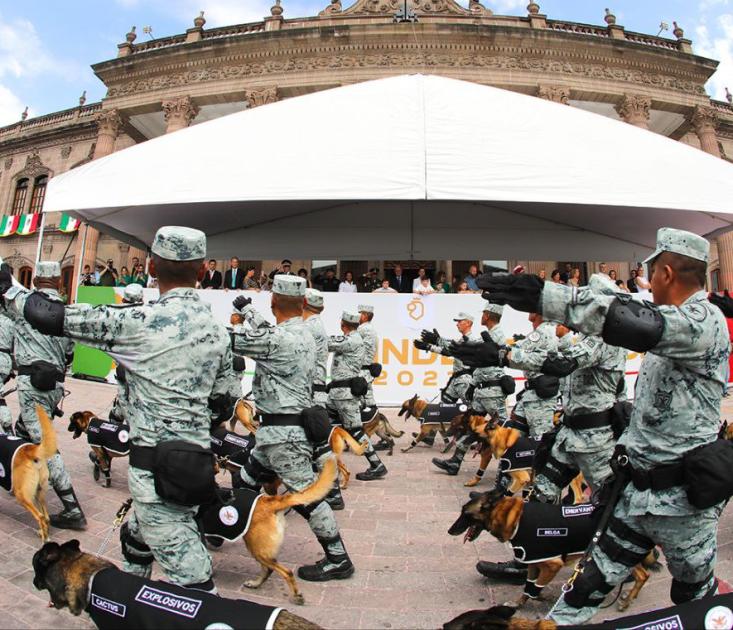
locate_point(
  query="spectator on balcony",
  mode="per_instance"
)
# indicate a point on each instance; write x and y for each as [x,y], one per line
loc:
[348,286]
[330,282]
[124,278]
[555,276]
[399,282]
[565,275]
[139,276]
[87,279]
[385,288]
[370,281]
[613,275]
[543,274]
[631,284]
[424,288]
[441,283]
[234,276]
[574,279]
[109,275]
[471,278]
[250,284]
[212,277]
[643,287]
[622,286]
[285,269]
[303,273]
[603,268]
[463,287]
[421,273]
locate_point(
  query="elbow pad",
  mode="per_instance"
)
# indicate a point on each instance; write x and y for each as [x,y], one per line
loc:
[238,363]
[633,324]
[559,366]
[44,314]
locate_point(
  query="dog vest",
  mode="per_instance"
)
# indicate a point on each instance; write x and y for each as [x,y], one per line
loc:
[368,414]
[227,444]
[547,531]
[442,412]
[122,600]
[9,446]
[229,517]
[519,456]
[711,612]
[111,436]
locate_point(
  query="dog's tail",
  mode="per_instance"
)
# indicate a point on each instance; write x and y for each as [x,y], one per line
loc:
[356,448]
[49,445]
[391,430]
[244,414]
[313,493]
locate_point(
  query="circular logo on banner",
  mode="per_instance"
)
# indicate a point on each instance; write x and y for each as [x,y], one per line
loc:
[463,408]
[218,625]
[123,436]
[228,515]
[2,471]
[719,617]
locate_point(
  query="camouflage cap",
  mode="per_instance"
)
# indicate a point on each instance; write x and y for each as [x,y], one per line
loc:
[497,309]
[681,242]
[601,283]
[289,285]
[463,315]
[173,242]
[313,297]
[366,308]
[350,318]
[133,294]
[48,269]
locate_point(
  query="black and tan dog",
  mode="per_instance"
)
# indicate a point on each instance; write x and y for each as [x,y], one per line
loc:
[24,471]
[543,536]
[417,408]
[107,440]
[380,426]
[114,599]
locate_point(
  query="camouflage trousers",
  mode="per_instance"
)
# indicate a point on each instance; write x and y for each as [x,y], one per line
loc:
[6,418]
[489,404]
[537,412]
[28,398]
[174,540]
[349,412]
[689,544]
[292,461]
[456,389]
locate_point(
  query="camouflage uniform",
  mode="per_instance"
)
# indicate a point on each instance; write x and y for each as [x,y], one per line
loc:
[133,294]
[30,346]
[371,346]
[314,324]
[529,355]
[284,375]
[7,332]
[677,408]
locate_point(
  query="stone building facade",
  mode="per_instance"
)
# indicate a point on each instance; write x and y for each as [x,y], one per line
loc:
[163,85]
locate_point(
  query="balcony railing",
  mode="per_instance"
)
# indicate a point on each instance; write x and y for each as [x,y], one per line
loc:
[75,113]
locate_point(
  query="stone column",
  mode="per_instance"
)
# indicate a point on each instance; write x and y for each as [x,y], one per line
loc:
[179,113]
[725,260]
[634,110]
[554,93]
[263,96]
[705,121]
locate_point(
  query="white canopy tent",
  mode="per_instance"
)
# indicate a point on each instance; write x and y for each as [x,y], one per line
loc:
[407,167]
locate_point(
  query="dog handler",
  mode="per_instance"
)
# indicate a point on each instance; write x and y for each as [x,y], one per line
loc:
[371,346]
[671,442]
[7,331]
[176,357]
[284,375]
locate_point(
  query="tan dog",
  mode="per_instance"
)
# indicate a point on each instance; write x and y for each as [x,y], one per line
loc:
[415,407]
[338,440]
[244,413]
[380,426]
[30,473]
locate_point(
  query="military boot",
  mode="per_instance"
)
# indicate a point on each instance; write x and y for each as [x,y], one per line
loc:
[334,498]
[71,517]
[511,572]
[335,566]
[376,468]
[452,465]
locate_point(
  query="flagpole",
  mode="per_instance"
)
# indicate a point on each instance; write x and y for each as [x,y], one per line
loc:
[81,258]
[40,238]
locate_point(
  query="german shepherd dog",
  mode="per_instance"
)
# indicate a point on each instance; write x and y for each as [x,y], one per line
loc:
[380,426]
[415,408]
[501,515]
[30,473]
[100,456]
[66,573]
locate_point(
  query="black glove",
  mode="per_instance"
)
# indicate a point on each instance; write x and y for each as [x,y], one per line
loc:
[485,354]
[522,292]
[519,337]
[240,302]
[421,345]
[723,302]
[430,337]
[6,278]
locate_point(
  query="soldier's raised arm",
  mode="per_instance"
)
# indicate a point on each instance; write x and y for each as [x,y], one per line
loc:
[344,343]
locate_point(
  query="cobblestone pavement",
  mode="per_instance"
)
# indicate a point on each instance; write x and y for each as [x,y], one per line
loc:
[410,573]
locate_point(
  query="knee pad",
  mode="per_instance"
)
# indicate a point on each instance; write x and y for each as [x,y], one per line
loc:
[558,473]
[257,472]
[134,551]
[306,510]
[588,582]
[681,592]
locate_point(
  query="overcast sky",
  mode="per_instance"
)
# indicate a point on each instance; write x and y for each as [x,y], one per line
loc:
[47,46]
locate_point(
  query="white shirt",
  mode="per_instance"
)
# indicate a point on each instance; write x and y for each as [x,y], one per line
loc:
[347,287]
[383,290]
[416,284]
[423,289]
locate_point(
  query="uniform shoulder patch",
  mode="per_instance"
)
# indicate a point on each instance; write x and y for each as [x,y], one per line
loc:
[696,312]
[338,338]
[534,336]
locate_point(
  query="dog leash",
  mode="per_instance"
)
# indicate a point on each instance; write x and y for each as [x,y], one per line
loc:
[119,518]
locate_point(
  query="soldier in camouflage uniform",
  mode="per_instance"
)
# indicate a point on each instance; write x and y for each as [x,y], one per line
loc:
[30,347]
[133,294]
[371,346]
[282,387]
[313,322]
[7,332]
[488,397]
[177,358]
[676,410]
[348,359]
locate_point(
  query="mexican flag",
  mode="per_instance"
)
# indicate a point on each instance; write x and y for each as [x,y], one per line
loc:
[68,224]
[8,225]
[27,224]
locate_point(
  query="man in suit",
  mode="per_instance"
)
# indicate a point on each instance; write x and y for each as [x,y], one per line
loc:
[234,277]
[212,277]
[400,282]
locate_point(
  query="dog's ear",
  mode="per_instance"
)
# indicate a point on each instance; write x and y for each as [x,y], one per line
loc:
[72,544]
[503,612]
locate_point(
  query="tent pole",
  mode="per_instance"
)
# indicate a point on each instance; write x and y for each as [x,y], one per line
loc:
[40,238]
[75,280]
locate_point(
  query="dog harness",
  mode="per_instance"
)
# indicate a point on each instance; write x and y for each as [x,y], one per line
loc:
[520,455]
[546,531]
[229,516]
[232,445]
[111,436]
[10,445]
[442,413]
[122,600]
[368,414]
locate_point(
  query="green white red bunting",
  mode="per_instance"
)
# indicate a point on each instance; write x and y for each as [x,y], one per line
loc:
[8,225]
[68,224]
[28,224]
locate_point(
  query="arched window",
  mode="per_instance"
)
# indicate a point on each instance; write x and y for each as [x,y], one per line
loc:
[21,192]
[39,193]
[25,276]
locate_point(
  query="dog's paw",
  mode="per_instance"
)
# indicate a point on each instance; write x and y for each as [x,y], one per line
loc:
[298,599]
[252,583]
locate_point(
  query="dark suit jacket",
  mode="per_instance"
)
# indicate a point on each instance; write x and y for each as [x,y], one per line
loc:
[214,282]
[404,285]
[238,279]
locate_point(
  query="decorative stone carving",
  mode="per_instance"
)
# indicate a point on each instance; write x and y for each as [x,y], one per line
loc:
[334,7]
[108,122]
[390,7]
[65,153]
[533,8]
[179,112]
[634,110]
[123,247]
[33,166]
[8,163]
[476,8]
[199,21]
[609,18]
[704,119]
[554,93]
[486,59]
[261,97]
[276,9]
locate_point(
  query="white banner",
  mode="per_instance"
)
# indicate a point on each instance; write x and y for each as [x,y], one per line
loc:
[398,319]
